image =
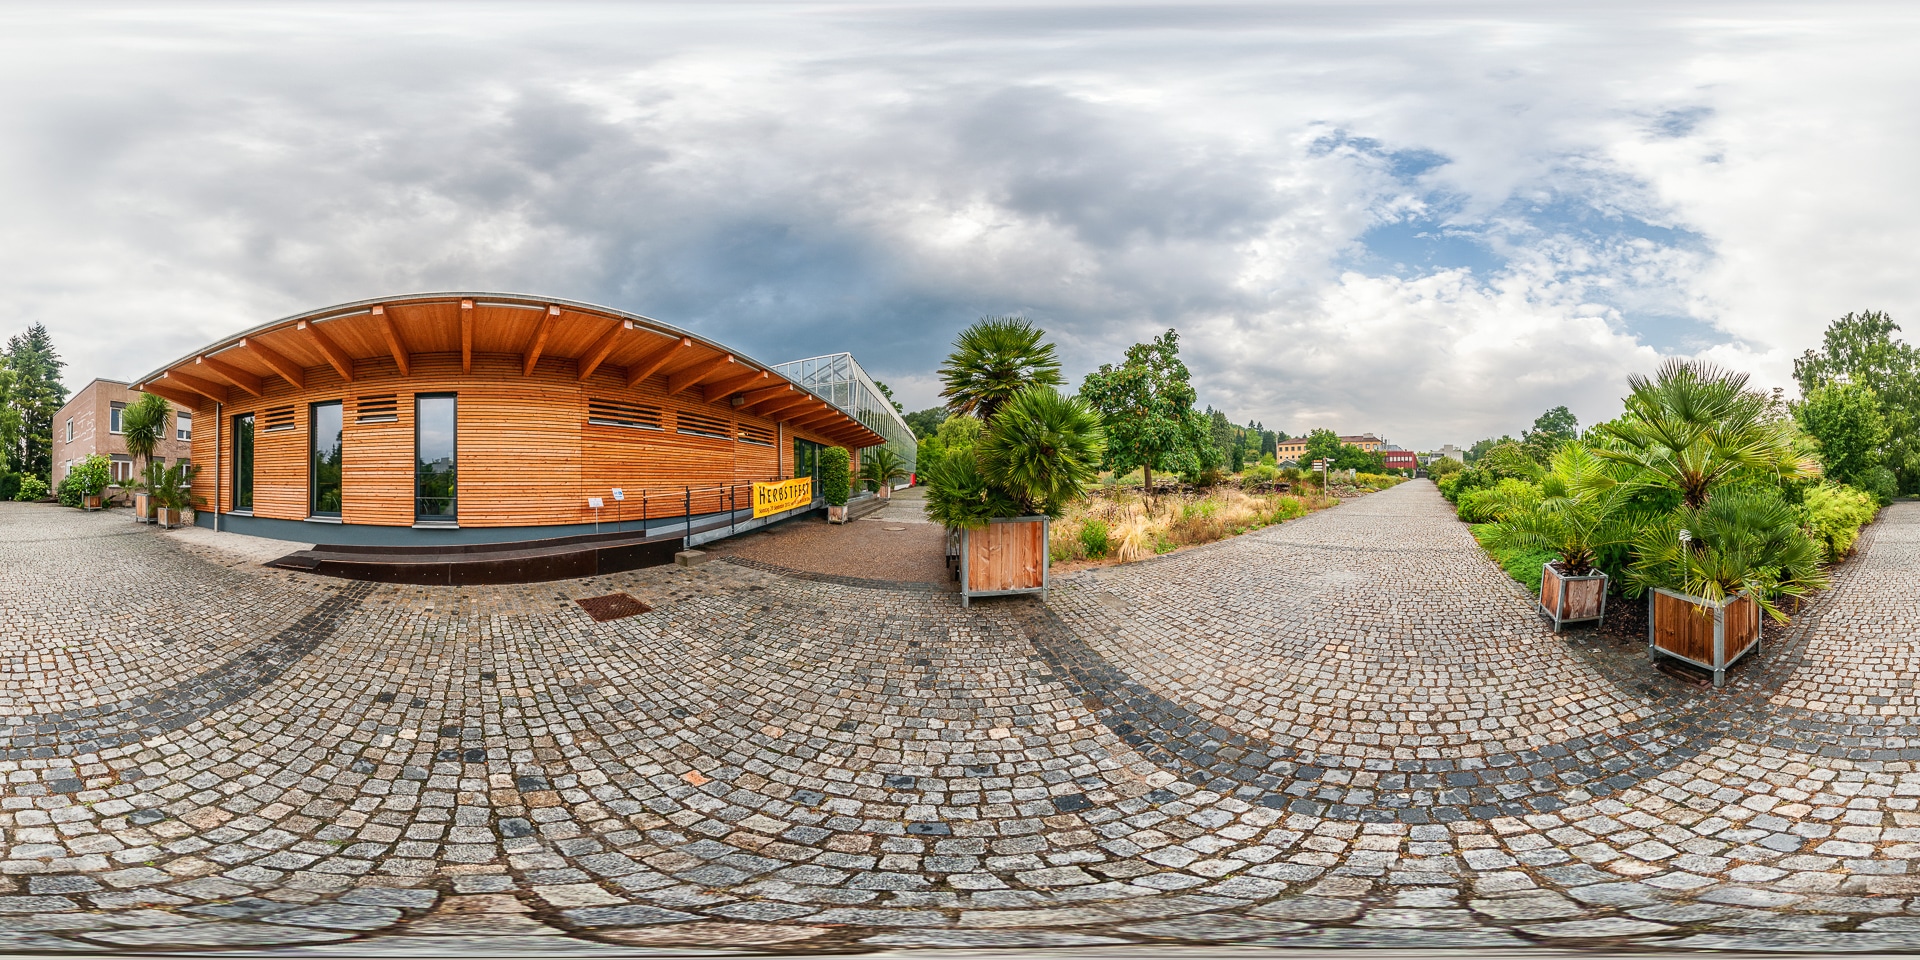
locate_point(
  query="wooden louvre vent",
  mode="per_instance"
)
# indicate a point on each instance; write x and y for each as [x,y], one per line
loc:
[277,418]
[616,413]
[384,408]
[756,434]
[701,425]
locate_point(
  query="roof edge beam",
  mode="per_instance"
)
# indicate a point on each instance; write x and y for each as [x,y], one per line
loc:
[694,374]
[466,336]
[597,354]
[727,388]
[649,366]
[539,340]
[205,388]
[395,345]
[232,374]
[183,397]
[342,364]
[278,362]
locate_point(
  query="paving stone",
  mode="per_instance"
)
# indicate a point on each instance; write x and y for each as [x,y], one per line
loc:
[337,916]
[215,935]
[1214,928]
[1595,928]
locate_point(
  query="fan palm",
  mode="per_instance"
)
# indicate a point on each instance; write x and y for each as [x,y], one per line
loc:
[880,467]
[1693,427]
[992,361]
[1044,448]
[1745,540]
[1577,519]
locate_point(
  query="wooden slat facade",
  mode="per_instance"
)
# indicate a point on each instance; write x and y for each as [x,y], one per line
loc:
[525,452]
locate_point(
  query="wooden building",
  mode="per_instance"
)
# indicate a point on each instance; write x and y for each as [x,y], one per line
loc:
[484,418]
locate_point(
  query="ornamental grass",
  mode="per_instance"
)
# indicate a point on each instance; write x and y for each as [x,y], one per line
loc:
[1118,525]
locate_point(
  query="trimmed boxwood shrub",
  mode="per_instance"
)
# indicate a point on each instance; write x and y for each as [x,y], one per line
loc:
[835,484]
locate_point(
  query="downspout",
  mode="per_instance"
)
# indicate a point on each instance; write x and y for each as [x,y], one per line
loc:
[219,422]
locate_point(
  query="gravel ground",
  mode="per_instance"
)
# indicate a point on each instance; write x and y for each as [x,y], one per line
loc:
[897,543]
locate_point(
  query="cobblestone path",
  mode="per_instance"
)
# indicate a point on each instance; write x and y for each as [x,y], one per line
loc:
[1349,730]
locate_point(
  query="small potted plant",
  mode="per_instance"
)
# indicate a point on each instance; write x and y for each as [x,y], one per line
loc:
[1578,518]
[91,478]
[879,469]
[174,491]
[835,485]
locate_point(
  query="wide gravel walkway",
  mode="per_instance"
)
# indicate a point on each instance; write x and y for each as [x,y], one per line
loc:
[1348,730]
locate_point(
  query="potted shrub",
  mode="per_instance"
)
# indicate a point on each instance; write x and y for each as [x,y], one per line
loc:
[173,491]
[90,479]
[1710,573]
[144,505]
[834,483]
[143,424]
[1574,521]
[879,468]
[1039,454]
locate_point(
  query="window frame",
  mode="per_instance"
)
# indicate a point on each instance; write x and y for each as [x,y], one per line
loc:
[253,436]
[453,515]
[114,412]
[313,461]
[183,426]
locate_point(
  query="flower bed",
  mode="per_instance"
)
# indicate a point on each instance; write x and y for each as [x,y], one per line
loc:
[1118,526]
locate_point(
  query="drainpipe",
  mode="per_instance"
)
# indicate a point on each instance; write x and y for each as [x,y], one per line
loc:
[219,422]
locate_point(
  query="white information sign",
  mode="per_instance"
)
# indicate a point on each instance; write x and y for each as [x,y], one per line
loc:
[619,494]
[595,502]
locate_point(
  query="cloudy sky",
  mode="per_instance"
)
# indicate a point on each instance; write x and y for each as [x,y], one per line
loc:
[1428,220]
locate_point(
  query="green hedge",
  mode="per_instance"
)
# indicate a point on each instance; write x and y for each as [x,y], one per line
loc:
[835,484]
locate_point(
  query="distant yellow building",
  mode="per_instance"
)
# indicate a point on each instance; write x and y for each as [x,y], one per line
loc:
[1296,448]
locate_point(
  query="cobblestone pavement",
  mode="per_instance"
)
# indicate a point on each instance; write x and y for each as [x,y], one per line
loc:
[1346,731]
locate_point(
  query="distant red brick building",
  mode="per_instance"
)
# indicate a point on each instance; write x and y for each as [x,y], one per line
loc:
[1400,459]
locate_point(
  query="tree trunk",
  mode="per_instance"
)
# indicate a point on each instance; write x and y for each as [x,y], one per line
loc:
[1146,473]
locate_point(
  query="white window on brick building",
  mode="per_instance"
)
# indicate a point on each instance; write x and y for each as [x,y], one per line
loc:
[183,425]
[113,417]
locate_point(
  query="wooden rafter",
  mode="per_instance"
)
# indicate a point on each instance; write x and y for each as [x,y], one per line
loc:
[185,398]
[205,388]
[466,336]
[395,345]
[773,408]
[754,398]
[694,374]
[539,341]
[276,361]
[652,363]
[597,354]
[726,388]
[232,374]
[342,363]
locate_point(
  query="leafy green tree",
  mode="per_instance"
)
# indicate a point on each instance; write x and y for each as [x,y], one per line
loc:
[994,359]
[35,395]
[925,422]
[1221,431]
[1845,419]
[1859,349]
[887,392]
[1147,405]
[1322,444]
[1693,427]
[1550,430]
[1354,457]
[1480,448]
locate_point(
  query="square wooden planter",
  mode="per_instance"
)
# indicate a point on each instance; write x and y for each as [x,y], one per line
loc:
[143,508]
[1701,632]
[1007,556]
[1569,599]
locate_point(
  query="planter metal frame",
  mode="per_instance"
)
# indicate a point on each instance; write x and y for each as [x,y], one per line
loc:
[1719,667]
[1561,602]
[1046,561]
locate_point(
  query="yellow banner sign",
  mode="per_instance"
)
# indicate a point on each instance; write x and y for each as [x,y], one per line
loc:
[771,498]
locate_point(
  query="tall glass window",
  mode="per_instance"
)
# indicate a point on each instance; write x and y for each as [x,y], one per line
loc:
[434,481]
[326,459]
[806,462]
[243,462]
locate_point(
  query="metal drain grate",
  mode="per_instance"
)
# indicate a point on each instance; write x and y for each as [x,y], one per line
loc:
[613,606]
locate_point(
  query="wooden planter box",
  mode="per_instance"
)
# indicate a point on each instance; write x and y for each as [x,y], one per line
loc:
[837,514]
[168,517]
[91,503]
[1700,632]
[1008,556]
[143,508]
[1567,599]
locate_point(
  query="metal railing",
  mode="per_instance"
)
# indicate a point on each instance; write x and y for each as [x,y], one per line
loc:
[644,506]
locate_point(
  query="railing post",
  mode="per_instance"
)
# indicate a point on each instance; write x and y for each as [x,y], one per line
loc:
[689,510]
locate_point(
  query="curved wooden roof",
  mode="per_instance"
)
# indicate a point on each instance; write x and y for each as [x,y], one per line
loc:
[601,341]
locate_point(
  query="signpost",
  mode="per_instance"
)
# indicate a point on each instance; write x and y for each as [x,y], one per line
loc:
[596,503]
[1321,465]
[620,511]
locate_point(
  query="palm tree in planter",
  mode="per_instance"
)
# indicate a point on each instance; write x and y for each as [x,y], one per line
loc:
[1577,519]
[880,468]
[173,491]
[1712,571]
[1040,453]
[143,425]
[1693,427]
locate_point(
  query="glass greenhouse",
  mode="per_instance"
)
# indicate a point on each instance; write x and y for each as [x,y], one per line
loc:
[839,380]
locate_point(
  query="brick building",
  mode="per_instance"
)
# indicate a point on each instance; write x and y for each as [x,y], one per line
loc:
[90,424]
